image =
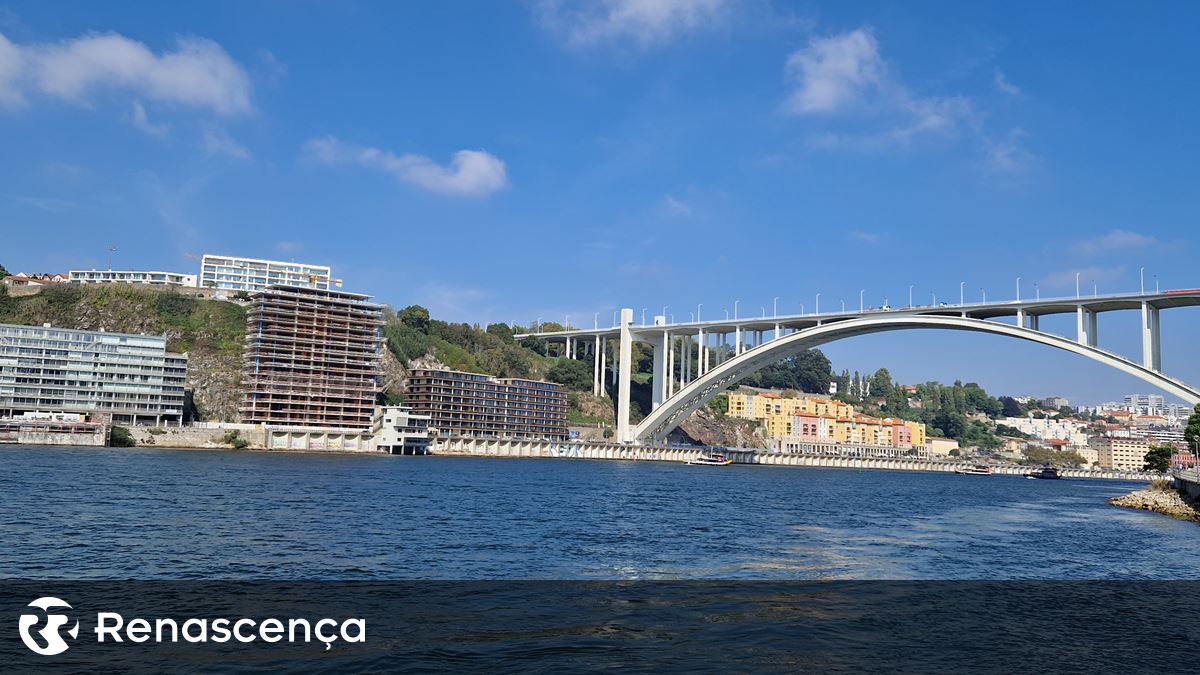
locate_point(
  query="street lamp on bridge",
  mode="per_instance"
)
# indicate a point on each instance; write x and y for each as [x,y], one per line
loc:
[860,300]
[984,292]
[910,287]
[775,307]
[1018,289]
[735,307]
[1142,279]
[643,316]
[596,321]
[1077,285]
[818,309]
[962,290]
[698,311]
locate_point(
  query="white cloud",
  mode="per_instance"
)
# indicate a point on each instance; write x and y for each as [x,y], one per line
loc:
[141,121]
[865,237]
[10,69]
[1007,87]
[676,208]
[1088,277]
[644,23]
[471,173]
[1009,156]
[198,73]
[1113,240]
[833,72]
[845,73]
[216,142]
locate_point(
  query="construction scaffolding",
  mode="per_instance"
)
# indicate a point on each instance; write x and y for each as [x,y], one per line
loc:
[311,359]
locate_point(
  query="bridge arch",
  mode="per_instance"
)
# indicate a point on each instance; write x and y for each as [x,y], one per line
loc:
[675,409]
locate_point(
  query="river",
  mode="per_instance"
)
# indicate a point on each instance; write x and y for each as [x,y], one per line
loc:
[108,513]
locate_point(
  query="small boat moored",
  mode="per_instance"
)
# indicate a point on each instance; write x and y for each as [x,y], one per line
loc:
[1046,472]
[977,470]
[711,459]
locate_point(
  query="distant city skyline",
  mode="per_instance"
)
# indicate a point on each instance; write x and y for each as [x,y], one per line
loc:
[513,161]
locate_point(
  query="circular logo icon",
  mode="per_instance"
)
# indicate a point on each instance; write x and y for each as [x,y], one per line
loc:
[51,642]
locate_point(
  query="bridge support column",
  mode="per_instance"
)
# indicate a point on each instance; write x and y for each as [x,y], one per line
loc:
[670,381]
[1021,318]
[701,353]
[658,388]
[1085,323]
[1151,349]
[1033,322]
[624,376]
[737,340]
[603,363]
[597,369]
[778,334]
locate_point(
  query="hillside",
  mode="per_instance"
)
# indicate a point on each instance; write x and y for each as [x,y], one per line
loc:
[211,332]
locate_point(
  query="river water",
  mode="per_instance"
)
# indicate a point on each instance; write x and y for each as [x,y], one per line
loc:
[97,513]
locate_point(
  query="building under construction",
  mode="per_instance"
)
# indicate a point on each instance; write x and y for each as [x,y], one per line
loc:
[312,358]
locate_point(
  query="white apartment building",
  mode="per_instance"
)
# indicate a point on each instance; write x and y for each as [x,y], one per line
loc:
[252,275]
[400,431]
[51,370]
[131,277]
[1145,404]
[1046,429]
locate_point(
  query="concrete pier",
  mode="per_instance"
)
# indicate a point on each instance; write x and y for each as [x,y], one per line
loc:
[493,447]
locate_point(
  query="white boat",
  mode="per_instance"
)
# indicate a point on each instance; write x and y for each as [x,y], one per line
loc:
[977,470]
[711,459]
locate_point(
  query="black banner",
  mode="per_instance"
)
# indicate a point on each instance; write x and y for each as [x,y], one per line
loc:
[576,626]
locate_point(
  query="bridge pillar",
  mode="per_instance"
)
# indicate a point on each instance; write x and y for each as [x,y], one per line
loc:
[670,382]
[1033,322]
[1151,346]
[777,333]
[701,353]
[658,387]
[1085,323]
[597,369]
[624,376]
[1021,318]
[737,340]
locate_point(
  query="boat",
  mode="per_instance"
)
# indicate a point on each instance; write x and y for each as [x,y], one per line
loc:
[711,459]
[977,470]
[1046,472]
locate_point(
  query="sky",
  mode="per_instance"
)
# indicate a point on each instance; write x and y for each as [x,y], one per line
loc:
[514,161]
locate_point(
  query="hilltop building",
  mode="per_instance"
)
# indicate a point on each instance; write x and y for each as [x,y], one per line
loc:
[131,277]
[252,275]
[312,359]
[132,378]
[469,404]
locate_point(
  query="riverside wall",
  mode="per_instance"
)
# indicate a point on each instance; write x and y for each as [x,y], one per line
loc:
[1188,482]
[486,447]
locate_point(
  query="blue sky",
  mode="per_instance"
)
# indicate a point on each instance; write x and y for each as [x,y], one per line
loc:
[509,161]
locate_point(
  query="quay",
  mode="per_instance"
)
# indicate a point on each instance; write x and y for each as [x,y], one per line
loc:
[490,447]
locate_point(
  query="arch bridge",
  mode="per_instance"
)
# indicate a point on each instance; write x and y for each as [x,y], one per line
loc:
[695,361]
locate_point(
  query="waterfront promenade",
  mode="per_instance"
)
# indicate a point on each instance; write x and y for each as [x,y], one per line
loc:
[478,447]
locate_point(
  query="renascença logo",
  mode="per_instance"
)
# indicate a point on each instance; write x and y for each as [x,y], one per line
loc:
[109,626]
[55,644]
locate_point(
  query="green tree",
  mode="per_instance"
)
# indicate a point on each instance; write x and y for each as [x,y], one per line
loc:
[415,317]
[571,373]
[500,330]
[120,437]
[1010,407]
[719,404]
[1192,433]
[534,345]
[1159,458]
[3,272]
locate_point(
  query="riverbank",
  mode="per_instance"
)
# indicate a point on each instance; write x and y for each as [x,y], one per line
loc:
[1161,497]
